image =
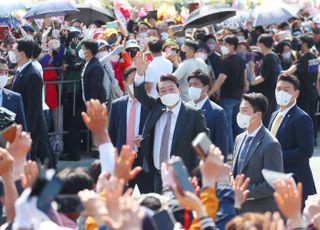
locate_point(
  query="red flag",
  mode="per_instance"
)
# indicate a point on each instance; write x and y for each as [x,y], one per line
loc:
[122,11]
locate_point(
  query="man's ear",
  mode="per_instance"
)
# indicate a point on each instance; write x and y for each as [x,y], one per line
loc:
[296,93]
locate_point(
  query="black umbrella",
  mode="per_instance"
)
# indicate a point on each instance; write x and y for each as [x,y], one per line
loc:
[207,15]
[89,13]
[50,8]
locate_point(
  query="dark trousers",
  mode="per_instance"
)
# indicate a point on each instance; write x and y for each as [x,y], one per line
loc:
[75,128]
[308,103]
[144,180]
[157,181]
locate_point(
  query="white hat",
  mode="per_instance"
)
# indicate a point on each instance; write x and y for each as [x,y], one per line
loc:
[131,43]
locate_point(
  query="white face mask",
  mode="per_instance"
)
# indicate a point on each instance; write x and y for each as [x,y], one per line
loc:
[131,88]
[224,50]
[3,81]
[164,36]
[202,56]
[243,120]
[170,99]
[194,93]
[55,33]
[286,55]
[142,35]
[181,40]
[12,56]
[283,98]
[81,54]
[102,54]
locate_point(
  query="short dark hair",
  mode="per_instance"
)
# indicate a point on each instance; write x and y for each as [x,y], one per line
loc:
[95,170]
[258,101]
[308,40]
[266,40]
[3,61]
[192,44]
[91,45]
[151,202]
[291,79]
[36,50]
[200,75]
[168,77]
[231,40]
[75,180]
[203,45]
[128,71]
[75,20]
[155,46]
[25,45]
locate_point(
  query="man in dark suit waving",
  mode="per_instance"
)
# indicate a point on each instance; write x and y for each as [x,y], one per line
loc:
[127,117]
[91,88]
[27,81]
[171,125]
[199,85]
[294,130]
[254,150]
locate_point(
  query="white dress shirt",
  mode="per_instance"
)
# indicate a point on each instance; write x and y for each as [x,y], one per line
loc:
[158,66]
[82,82]
[38,67]
[201,103]
[137,118]
[284,112]
[106,155]
[1,97]
[254,133]
[158,133]
[20,68]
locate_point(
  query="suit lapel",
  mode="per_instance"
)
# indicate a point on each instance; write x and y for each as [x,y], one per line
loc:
[236,151]
[206,108]
[5,102]
[20,75]
[153,117]
[180,124]
[285,120]
[255,143]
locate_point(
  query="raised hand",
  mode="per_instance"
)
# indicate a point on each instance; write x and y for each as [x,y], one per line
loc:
[211,167]
[273,222]
[241,192]
[123,164]
[21,144]
[289,200]
[141,63]
[30,174]
[6,163]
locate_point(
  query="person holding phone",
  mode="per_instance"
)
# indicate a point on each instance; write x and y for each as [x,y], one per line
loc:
[256,149]
[171,125]
[199,85]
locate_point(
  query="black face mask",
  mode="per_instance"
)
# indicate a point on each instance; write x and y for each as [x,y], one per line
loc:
[112,40]
[133,53]
[182,55]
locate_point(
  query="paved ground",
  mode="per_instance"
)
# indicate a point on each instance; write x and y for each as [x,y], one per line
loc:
[314,162]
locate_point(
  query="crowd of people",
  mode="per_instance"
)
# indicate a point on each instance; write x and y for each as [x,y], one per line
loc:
[145,91]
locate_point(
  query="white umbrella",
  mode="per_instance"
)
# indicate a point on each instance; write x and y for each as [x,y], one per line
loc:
[273,12]
[11,5]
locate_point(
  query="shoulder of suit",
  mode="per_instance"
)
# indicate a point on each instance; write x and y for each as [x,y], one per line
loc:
[215,106]
[268,137]
[120,99]
[190,107]
[11,93]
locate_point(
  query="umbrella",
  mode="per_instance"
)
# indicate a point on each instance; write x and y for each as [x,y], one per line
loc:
[9,22]
[207,15]
[89,13]
[274,12]
[11,5]
[50,9]
[237,21]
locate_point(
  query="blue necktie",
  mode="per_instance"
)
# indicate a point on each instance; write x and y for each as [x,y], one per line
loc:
[15,77]
[243,153]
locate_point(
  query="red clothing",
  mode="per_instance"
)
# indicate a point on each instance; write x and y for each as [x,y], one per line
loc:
[120,66]
[51,93]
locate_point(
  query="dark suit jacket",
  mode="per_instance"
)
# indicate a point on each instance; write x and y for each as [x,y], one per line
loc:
[13,102]
[295,135]
[264,153]
[29,84]
[190,122]
[93,81]
[217,123]
[118,121]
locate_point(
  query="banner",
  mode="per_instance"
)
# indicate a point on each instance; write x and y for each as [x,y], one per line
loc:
[122,11]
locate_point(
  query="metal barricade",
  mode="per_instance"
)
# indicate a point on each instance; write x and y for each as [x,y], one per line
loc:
[60,85]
